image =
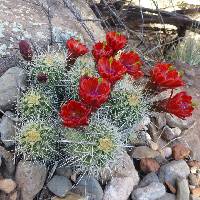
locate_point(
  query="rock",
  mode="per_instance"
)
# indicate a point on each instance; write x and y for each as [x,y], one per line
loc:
[59,185]
[167,152]
[168,196]
[194,163]
[88,186]
[119,188]
[122,168]
[180,151]
[39,30]
[149,165]
[171,188]
[13,196]
[70,196]
[7,185]
[195,192]
[7,129]
[144,152]
[139,138]
[30,178]
[194,179]
[8,163]
[194,198]
[11,81]
[153,131]
[154,145]
[171,171]
[64,171]
[160,120]
[183,191]
[169,134]
[148,179]
[153,191]
[174,122]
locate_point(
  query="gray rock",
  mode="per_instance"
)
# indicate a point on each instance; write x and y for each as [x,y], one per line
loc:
[172,170]
[30,178]
[64,171]
[34,24]
[160,120]
[144,152]
[168,196]
[7,129]
[148,179]
[170,133]
[89,187]
[174,122]
[194,198]
[122,168]
[8,161]
[183,191]
[151,192]
[119,188]
[124,178]
[59,185]
[11,81]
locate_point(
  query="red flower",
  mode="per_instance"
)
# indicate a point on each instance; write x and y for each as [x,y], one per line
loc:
[101,49]
[25,50]
[74,114]
[110,69]
[164,76]
[179,105]
[94,91]
[133,63]
[116,40]
[75,48]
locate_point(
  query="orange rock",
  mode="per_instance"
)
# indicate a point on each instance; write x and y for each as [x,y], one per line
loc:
[195,192]
[194,163]
[180,151]
[149,165]
[7,185]
[170,187]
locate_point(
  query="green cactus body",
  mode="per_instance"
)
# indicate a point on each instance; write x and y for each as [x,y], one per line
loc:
[35,104]
[127,105]
[48,72]
[94,147]
[82,66]
[37,140]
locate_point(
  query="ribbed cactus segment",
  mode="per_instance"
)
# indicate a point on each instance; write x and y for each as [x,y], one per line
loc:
[94,147]
[82,66]
[49,72]
[36,140]
[34,104]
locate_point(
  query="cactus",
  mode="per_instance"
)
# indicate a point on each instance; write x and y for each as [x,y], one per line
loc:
[35,104]
[94,147]
[36,140]
[82,66]
[48,72]
[127,104]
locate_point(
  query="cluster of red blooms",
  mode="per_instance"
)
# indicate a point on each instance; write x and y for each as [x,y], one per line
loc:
[94,91]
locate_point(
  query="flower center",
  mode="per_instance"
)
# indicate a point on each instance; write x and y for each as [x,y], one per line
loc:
[33,100]
[33,136]
[105,144]
[133,100]
[48,60]
[86,71]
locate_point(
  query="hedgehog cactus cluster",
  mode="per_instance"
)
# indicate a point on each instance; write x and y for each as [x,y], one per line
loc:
[83,106]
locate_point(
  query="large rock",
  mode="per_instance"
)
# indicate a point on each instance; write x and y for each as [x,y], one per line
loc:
[7,129]
[30,21]
[11,82]
[123,181]
[59,185]
[183,192]
[30,178]
[89,187]
[151,192]
[8,166]
[172,170]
